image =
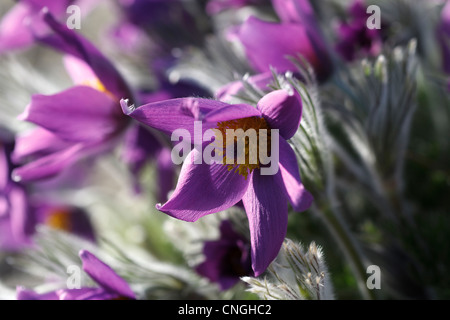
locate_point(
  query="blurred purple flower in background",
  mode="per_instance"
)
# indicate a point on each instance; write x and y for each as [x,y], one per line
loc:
[227,258]
[355,39]
[18,25]
[110,285]
[80,121]
[209,188]
[269,44]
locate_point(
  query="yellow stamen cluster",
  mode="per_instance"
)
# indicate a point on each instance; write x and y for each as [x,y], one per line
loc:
[250,147]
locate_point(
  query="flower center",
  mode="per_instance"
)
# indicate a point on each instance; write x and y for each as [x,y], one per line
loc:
[246,137]
[59,219]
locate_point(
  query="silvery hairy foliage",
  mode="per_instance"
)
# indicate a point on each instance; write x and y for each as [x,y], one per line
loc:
[296,274]
[56,252]
[375,110]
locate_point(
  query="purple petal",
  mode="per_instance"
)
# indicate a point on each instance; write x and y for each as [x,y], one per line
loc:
[69,42]
[231,112]
[48,166]
[170,115]
[24,294]
[86,294]
[299,197]
[141,145]
[14,34]
[269,44]
[203,189]
[105,276]
[227,258]
[282,110]
[78,70]
[79,114]
[266,205]
[297,11]
[37,142]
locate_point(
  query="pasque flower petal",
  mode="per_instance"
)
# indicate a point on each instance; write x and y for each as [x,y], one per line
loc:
[269,44]
[69,42]
[282,110]
[78,114]
[266,205]
[37,142]
[203,189]
[170,115]
[48,166]
[299,197]
[231,112]
[106,277]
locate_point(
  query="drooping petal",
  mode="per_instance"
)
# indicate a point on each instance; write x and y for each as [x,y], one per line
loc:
[282,110]
[78,114]
[105,276]
[265,203]
[203,189]
[48,166]
[69,42]
[300,198]
[170,115]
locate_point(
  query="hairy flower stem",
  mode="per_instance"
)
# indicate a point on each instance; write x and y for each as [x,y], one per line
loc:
[348,245]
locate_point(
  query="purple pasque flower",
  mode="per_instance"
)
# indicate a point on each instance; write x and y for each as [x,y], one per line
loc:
[110,285]
[205,188]
[15,32]
[83,120]
[227,258]
[355,39]
[269,44]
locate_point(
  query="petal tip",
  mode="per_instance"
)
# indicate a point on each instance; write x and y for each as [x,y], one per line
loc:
[15,176]
[126,108]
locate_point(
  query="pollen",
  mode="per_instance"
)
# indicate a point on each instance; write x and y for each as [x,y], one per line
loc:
[246,142]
